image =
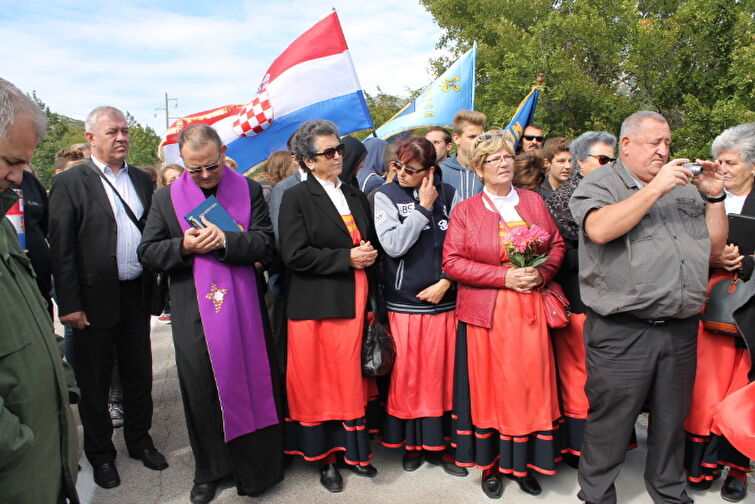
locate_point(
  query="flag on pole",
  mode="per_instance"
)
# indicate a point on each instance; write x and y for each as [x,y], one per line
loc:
[439,102]
[314,78]
[524,115]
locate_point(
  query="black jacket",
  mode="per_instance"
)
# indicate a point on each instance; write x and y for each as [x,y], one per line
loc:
[315,247]
[83,236]
[412,238]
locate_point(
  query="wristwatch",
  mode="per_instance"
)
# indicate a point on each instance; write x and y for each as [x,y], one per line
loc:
[715,200]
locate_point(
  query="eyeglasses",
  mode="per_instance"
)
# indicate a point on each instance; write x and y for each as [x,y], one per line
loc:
[501,159]
[534,137]
[330,152]
[409,171]
[194,171]
[603,159]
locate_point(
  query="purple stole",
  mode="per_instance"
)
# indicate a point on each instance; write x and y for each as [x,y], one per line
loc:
[229,307]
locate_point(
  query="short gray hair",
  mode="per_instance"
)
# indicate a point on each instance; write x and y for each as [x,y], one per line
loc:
[198,135]
[582,147]
[737,138]
[13,102]
[635,120]
[94,116]
[303,143]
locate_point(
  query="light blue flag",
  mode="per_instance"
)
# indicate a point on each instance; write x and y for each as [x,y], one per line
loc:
[522,117]
[439,102]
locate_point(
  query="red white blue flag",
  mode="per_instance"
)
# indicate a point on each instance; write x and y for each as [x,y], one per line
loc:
[314,78]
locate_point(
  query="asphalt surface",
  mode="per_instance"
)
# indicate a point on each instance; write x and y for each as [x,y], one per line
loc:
[392,485]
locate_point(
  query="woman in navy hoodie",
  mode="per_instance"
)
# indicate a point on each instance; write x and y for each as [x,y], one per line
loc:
[411,218]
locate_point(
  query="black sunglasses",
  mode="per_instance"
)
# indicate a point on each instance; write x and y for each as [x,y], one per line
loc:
[603,159]
[211,167]
[410,171]
[330,152]
[534,137]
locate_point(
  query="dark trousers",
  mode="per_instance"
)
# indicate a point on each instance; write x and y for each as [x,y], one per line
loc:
[631,363]
[96,349]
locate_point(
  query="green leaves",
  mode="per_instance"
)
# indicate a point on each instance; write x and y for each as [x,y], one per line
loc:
[691,60]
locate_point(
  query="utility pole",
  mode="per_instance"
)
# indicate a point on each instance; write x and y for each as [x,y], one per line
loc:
[167,116]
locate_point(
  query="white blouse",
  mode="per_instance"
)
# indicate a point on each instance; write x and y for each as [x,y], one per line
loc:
[733,204]
[506,205]
[336,195]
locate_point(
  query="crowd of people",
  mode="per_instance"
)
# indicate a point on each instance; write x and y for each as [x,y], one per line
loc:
[269,284]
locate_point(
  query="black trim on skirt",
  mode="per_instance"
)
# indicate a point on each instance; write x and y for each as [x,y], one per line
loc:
[315,441]
[705,456]
[427,433]
[484,448]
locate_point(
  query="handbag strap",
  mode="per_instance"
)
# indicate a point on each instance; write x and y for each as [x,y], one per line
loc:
[139,225]
[492,205]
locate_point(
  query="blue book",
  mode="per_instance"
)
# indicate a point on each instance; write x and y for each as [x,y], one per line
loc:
[214,212]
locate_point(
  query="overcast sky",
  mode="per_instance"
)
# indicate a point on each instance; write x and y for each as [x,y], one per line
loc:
[205,53]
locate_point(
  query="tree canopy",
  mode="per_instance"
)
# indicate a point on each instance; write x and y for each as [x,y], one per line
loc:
[690,60]
[64,131]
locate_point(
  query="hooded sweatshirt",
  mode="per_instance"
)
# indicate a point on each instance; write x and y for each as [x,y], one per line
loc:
[465,181]
[372,174]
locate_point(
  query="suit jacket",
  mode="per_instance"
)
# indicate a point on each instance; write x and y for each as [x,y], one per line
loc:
[83,235]
[276,196]
[471,253]
[315,247]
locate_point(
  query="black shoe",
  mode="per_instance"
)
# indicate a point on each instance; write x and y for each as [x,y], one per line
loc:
[106,475]
[367,471]
[703,484]
[447,463]
[330,478]
[528,484]
[202,493]
[412,463]
[492,486]
[151,458]
[733,490]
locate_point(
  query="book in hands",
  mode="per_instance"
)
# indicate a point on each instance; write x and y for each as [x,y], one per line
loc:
[213,211]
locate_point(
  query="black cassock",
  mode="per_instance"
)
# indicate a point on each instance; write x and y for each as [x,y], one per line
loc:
[255,459]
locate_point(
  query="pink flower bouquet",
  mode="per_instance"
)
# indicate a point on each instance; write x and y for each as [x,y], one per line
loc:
[521,245]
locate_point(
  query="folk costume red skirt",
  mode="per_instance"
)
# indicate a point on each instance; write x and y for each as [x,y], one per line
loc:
[327,394]
[722,368]
[569,347]
[420,395]
[506,409]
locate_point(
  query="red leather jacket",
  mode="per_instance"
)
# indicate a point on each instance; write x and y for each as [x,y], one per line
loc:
[471,253]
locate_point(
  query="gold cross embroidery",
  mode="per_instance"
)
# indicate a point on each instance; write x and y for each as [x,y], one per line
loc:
[216,296]
[450,83]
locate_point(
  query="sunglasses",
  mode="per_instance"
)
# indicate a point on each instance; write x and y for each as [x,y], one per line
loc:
[330,152]
[409,171]
[534,137]
[603,159]
[484,137]
[209,168]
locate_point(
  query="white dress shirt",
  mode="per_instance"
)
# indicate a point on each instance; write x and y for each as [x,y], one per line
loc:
[128,235]
[336,195]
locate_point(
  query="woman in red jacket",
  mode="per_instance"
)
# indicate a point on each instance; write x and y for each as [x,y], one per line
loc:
[505,398]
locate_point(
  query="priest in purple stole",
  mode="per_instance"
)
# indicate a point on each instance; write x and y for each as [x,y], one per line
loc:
[223,354]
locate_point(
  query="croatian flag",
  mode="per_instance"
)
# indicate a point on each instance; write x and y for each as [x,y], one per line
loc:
[314,78]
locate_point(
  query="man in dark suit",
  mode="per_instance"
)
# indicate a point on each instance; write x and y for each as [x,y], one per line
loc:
[97,210]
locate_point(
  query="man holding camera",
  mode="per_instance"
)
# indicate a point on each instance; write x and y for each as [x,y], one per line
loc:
[647,233]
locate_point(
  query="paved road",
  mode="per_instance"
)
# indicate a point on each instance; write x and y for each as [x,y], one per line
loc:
[301,485]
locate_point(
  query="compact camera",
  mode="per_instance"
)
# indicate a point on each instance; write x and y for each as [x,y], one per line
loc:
[695,168]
